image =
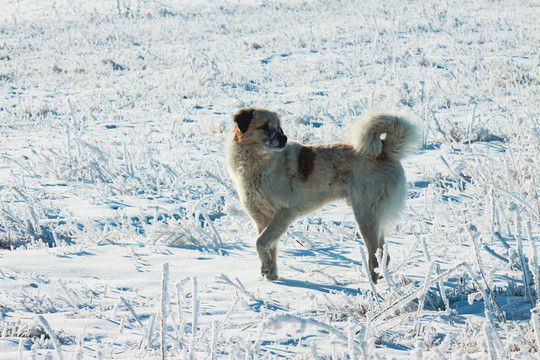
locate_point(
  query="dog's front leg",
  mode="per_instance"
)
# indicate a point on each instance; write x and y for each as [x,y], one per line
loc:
[267,242]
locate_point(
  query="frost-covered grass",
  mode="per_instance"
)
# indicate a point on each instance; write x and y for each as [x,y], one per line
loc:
[122,235]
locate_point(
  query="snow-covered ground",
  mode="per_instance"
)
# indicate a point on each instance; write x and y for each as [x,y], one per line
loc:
[121,234]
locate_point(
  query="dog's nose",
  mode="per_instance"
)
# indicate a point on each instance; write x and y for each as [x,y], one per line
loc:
[282,139]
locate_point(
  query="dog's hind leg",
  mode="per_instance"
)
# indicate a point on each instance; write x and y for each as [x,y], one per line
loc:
[268,239]
[372,234]
[261,222]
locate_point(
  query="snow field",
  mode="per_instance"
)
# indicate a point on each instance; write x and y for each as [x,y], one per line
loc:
[123,237]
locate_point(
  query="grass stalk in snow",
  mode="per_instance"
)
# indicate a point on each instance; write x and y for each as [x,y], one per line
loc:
[489,298]
[535,270]
[518,199]
[150,328]
[493,216]
[163,306]
[423,297]
[213,345]
[389,280]
[52,335]
[501,214]
[351,326]
[424,100]
[180,331]
[217,238]
[407,255]
[35,222]
[394,55]
[493,340]
[68,296]
[228,314]
[181,317]
[414,293]
[363,335]
[491,349]
[535,324]
[440,283]
[24,226]
[78,135]
[524,264]
[489,302]
[368,275]
[145,338]
[418,349]
[456,178]
[231,190]
[20,350]
[128,161]
[238,285]
[194,318]
[68,145]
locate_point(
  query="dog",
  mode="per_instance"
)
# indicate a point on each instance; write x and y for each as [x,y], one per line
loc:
[279,180]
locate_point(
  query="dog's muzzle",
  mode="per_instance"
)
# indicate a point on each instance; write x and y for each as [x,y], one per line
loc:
[282,139]
[276,141]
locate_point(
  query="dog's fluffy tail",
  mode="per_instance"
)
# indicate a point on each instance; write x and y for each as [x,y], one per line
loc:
[384,136]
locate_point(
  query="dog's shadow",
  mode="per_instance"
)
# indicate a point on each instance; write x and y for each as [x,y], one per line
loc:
[331,256]
[323,288]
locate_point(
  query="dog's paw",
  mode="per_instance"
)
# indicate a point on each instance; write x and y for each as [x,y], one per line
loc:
[272,273]
[272,276]
[269,272]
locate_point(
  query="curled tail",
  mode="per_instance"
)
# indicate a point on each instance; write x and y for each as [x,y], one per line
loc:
[384,136]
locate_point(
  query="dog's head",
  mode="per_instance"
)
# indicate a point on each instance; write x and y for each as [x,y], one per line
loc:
[259,126]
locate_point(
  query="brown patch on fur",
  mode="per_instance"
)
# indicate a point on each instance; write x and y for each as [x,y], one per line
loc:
[341,155]
[306,162]
[237,135]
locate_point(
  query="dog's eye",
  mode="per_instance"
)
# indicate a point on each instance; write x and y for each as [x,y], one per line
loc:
[265,127]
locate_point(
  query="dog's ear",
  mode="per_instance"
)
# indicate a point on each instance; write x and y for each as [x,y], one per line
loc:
[243,119]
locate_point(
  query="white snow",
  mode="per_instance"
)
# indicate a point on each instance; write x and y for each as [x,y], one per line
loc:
[122,236]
